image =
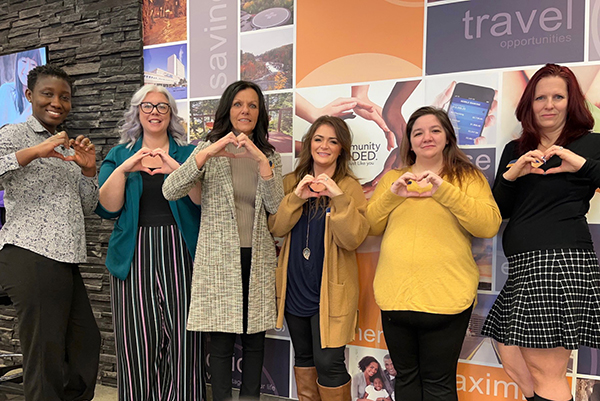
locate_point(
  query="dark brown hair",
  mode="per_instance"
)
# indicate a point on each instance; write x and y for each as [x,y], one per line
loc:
[342,165]
[344,137]
[457,165]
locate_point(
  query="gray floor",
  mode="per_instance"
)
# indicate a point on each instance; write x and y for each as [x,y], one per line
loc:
[105,393]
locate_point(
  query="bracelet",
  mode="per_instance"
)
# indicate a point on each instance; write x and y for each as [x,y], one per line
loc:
[267,177]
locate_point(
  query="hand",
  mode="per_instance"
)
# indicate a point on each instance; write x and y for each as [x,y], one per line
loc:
[340,107]
[134,162]
[168,163]
[443,99]
[218,148]
[302,189]
[571,162]
[85,155]
[250,149]
[523,165]
[433,179]
[371,111]
[46,148]
[400,186]
[331,188]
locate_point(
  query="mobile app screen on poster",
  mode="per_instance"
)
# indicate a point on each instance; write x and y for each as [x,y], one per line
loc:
[468,110]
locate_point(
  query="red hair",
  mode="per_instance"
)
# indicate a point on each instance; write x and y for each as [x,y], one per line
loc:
[579,118]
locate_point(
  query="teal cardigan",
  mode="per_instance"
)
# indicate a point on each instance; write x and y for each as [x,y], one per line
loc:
[121,244]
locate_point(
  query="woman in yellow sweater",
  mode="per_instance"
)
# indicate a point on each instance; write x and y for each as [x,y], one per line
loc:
[426,279]
[323,220]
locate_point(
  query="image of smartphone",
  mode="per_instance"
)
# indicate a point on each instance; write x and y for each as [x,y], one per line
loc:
[468,109]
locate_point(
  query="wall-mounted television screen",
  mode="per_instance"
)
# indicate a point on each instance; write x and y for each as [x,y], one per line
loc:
[14,67]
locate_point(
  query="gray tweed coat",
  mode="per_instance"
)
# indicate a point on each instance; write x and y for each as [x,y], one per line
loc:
[216,302]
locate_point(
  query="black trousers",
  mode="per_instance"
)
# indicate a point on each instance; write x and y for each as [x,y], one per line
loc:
[424,348]
[222,347]
[59,337]
[306,339]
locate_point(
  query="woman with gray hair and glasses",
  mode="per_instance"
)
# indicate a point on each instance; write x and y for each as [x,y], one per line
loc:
[150,253]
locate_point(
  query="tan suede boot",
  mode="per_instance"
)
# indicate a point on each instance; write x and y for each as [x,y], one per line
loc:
[341,393]
[306,382]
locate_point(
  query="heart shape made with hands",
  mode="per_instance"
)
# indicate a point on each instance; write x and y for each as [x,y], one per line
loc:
[419,186]
[234,150]
[537,163]
[152,161]
[317,187]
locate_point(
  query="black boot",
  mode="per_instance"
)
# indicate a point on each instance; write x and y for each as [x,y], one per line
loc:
[538,398]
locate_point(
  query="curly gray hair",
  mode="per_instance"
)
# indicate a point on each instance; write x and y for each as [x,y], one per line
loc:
[130,127]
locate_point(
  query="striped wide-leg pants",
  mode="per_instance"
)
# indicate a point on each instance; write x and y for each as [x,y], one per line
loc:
[157,358]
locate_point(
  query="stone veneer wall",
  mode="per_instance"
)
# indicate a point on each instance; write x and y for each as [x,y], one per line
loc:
[98,42]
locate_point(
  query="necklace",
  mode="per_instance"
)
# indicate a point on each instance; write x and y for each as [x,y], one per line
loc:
[306,250]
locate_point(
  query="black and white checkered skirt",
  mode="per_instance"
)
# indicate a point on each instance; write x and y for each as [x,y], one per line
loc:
[551,299]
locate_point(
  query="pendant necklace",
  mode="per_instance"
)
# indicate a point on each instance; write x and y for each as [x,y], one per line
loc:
[306,250]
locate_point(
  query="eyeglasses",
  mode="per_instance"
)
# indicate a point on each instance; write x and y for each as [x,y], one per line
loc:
[162,108]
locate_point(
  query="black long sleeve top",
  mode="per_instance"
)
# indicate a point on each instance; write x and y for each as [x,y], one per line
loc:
[548,211]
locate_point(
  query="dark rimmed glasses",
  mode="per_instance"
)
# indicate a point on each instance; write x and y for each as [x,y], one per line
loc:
[162,108]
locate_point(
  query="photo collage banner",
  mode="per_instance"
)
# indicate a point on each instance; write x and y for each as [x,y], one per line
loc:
[374,62]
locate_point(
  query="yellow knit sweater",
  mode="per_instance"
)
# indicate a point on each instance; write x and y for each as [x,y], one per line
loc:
[425,262]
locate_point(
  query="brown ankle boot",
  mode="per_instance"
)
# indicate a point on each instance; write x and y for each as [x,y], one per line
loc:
[306,383]
[341,393]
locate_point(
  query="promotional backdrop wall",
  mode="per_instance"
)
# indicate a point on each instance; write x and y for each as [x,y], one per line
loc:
[470,57]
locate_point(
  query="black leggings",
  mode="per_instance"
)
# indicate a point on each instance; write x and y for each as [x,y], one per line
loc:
[306,339]
[222,350]
[424,348]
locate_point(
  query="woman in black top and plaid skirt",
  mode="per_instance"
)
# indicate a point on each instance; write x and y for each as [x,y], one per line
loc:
[550,304]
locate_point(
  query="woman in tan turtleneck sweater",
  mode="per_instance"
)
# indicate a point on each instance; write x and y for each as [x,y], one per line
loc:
[233,287]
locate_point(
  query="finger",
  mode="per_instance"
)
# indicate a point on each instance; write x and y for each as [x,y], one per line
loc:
[543,172]
[555,150]
[553,170]
[391,140]
[64,139]
[343,108]
[379,121]
[535,153]
[60,156]
[489,120]
[347,116]
[368,107]
[80,140]
[225,153]
[446,95]
[494,105]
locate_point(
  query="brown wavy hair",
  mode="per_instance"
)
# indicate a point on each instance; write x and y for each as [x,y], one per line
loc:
[579,118]
[457,165]
[342,165]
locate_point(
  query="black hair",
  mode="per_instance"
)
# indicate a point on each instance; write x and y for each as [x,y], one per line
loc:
[47,70]
[366,361]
